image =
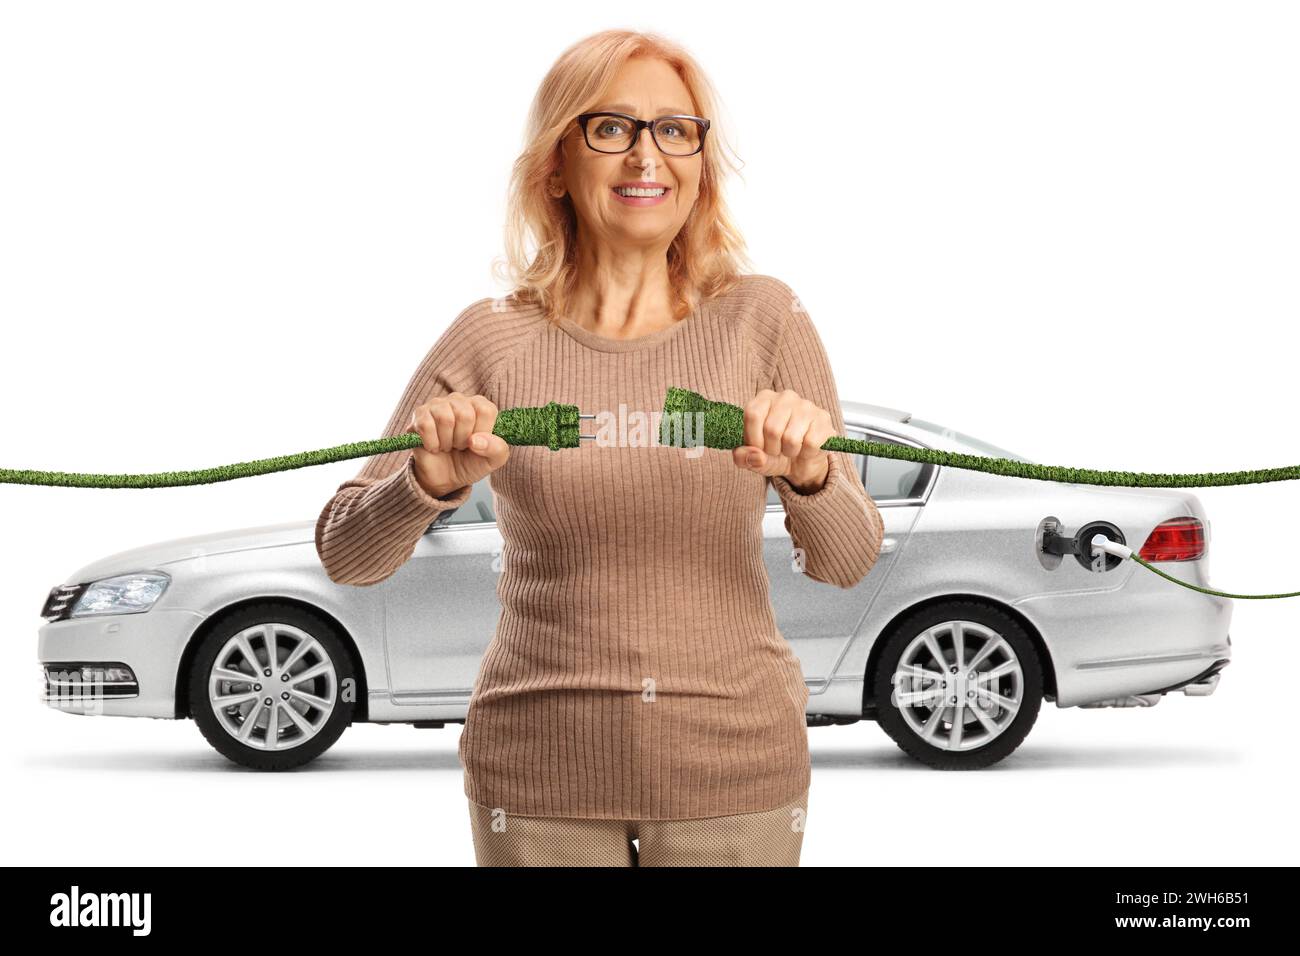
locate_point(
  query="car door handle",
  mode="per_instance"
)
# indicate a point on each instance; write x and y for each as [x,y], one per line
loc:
[888,544]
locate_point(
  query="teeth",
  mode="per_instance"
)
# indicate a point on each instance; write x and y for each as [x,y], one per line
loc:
[638,191]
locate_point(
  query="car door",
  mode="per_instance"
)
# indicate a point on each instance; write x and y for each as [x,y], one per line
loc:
[441,607]
[819,619]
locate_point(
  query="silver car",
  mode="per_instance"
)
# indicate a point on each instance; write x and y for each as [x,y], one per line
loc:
[986,600]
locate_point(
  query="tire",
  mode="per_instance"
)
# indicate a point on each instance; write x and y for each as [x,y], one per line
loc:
[989,729]
[320,713]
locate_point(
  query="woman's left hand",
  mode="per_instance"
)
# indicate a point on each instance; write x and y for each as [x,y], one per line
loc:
[783,436]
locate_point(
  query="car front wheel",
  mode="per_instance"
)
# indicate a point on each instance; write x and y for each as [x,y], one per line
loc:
[266,687]
[958,685]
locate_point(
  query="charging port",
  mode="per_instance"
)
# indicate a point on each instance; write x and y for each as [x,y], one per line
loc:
[1080,545]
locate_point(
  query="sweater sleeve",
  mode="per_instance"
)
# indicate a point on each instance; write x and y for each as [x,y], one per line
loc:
[838,527]
[371,525]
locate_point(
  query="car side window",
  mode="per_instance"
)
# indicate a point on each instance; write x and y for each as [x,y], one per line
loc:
[774,500]
[889,479]
[477,509]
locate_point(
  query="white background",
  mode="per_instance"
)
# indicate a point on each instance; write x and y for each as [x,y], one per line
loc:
[230,230]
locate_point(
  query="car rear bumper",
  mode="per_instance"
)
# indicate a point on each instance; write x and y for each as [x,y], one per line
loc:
[1136,640]
[1201,685]
[148,646]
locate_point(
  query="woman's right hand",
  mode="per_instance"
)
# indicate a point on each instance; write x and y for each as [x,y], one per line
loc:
[457,445]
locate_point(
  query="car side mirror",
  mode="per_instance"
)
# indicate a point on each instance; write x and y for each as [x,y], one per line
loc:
[442,519]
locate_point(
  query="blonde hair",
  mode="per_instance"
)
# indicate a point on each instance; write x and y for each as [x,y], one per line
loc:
[705,257]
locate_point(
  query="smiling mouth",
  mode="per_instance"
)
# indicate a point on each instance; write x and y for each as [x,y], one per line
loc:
[637,192]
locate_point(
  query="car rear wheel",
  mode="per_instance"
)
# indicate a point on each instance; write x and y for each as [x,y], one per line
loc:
[958,685]
[266,687]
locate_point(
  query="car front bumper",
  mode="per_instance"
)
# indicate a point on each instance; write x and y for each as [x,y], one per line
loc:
[149,644]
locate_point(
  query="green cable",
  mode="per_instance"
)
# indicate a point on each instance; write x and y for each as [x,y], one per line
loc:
[689,419]
[552,424]
[1194,587]
[1101,543]
[723,426]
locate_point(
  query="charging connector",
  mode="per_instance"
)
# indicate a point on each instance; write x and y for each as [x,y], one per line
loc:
[1104,545]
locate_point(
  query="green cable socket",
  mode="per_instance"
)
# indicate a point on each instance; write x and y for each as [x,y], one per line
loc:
[723,427]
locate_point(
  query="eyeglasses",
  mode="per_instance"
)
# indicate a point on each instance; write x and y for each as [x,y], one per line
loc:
[618,132]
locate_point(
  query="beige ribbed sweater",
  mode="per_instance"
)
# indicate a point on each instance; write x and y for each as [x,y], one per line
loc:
[636,671]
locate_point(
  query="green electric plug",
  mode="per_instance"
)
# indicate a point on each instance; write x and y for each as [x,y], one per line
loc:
[553,425]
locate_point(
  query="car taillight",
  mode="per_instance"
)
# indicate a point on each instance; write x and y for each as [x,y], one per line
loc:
[1178,539]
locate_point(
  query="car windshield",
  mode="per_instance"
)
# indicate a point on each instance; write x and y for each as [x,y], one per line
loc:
[984,446]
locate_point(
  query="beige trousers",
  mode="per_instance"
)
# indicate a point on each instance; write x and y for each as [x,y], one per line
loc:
[765,838]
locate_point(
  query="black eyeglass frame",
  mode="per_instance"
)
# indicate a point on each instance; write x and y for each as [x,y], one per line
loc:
[641,124]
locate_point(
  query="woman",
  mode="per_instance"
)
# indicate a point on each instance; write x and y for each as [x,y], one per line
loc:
[636,687]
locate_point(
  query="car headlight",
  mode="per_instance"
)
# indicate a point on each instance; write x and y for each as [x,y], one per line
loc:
[124,594]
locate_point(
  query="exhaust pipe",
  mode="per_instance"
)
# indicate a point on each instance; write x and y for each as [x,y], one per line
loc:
[1133,700]
[1203,687]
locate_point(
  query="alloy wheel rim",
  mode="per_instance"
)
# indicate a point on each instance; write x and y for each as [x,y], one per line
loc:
[272,686]
[958,685]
